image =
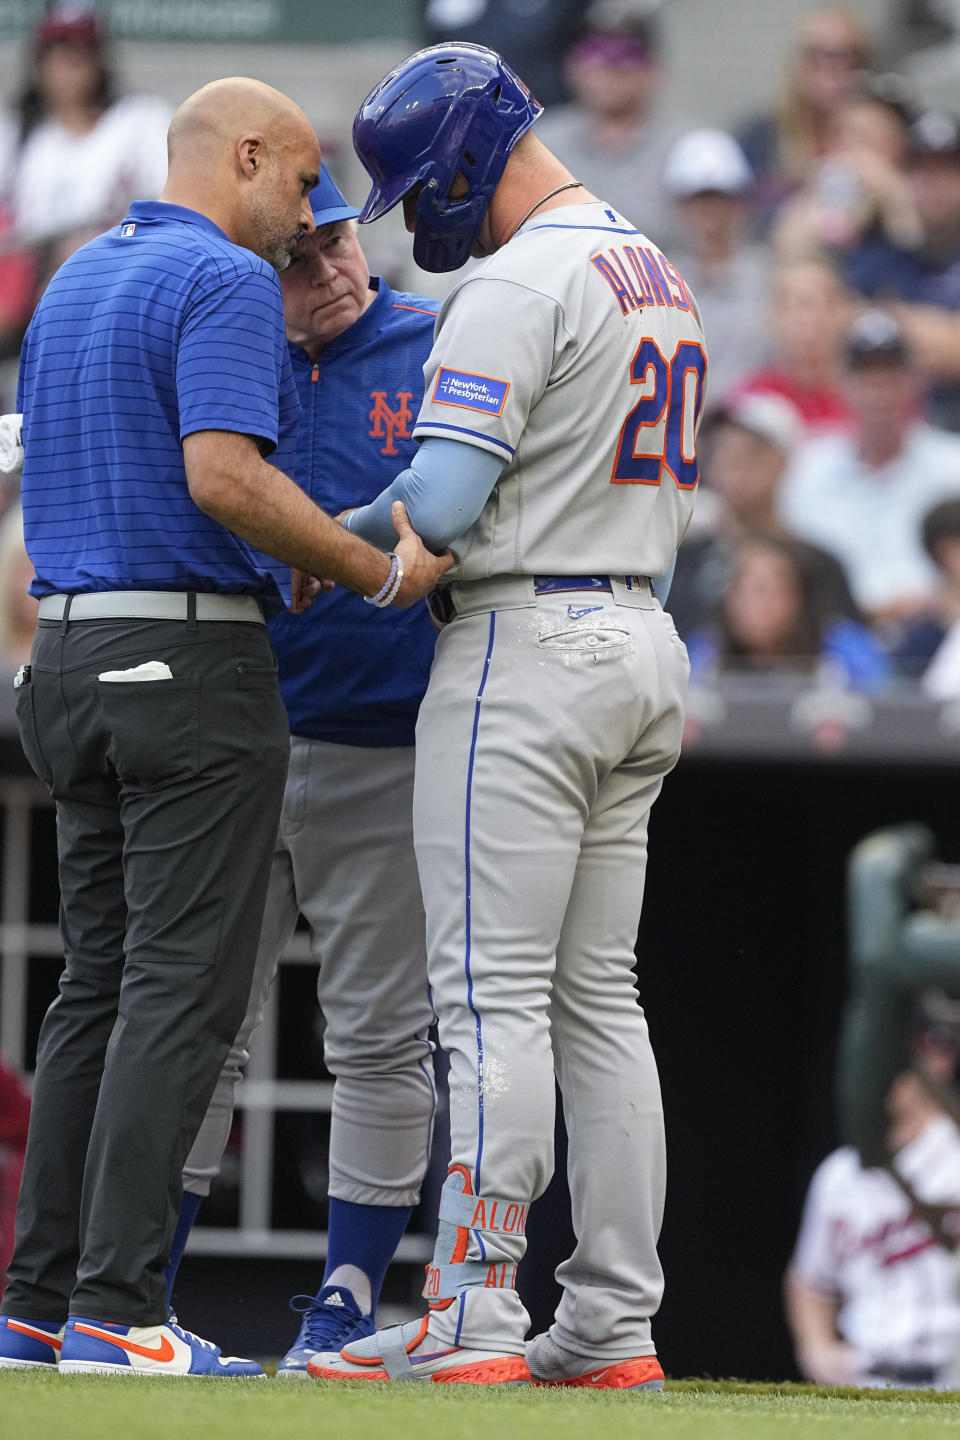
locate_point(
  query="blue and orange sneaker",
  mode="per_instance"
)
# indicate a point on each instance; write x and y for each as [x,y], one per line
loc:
[410,1352]
[551,1365]
[331,1319]
[29,1344]
[94,1347]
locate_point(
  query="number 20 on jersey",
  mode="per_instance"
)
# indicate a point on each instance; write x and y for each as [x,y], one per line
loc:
[660,432]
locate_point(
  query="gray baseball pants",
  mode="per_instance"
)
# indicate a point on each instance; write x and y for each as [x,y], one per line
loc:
[168,795]
[547,729]
[344,859]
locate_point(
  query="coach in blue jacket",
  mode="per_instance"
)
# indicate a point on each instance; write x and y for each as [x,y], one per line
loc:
[352,681]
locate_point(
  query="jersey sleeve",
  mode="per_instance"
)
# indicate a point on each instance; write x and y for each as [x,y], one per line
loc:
[233,366]
[814,1260]
[491,360]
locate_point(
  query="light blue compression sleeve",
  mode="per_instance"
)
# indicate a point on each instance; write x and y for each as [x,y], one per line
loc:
[446,487]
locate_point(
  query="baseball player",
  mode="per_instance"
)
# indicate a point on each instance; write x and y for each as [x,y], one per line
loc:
[352,681]
[871,1294]
[558,457]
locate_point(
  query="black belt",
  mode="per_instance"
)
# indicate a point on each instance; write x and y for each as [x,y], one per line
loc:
[923,1375]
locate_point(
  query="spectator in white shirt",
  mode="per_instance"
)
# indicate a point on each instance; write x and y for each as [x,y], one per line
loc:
[862,494]
[75,154]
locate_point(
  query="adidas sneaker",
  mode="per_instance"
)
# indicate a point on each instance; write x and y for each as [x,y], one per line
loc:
[331,1319]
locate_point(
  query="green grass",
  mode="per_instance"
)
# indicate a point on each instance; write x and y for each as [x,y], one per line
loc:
[35,1407]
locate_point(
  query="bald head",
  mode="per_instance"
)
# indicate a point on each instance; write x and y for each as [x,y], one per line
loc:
[245,156]
[213,119]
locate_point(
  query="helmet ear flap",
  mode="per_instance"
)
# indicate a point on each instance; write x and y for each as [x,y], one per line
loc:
[445,232]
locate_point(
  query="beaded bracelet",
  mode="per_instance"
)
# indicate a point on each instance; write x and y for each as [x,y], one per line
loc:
[385,587]
[394,588]
[388,591]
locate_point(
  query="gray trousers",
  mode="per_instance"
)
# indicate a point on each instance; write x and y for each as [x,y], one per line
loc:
[542,744]
[345,860]
[168,795]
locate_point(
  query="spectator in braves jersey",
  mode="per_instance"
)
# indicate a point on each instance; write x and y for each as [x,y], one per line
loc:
[352,681]
[871,1293]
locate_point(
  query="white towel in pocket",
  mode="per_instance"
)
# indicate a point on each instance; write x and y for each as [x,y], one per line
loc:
[149,670]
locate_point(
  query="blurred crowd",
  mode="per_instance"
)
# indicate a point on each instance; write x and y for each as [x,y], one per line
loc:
[822,241]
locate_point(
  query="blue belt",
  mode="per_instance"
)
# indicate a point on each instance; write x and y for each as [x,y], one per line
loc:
[550,584]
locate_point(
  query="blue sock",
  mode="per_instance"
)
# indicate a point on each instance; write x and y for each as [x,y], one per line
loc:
[366,1236]
[189,1208]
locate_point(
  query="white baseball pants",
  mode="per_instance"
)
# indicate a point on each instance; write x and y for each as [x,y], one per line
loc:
[542,744]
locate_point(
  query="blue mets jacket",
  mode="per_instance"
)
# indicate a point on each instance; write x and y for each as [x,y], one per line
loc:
[349,673]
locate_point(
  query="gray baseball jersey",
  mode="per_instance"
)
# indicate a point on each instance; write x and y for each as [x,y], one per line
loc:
[576,353]
[553,712]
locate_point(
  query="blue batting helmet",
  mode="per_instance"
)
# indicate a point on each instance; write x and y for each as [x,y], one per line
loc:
[453,108]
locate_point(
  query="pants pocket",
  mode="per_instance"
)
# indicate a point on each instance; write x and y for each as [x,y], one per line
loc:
[29,739]
[582,638]
[152,729]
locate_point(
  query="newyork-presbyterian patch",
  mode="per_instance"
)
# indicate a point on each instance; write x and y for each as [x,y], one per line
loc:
[470,392]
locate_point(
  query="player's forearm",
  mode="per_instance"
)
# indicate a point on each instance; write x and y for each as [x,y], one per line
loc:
[811,1316]
[257,502]
[444,490]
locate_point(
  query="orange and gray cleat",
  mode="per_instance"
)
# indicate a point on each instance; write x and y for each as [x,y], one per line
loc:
[410,1352]
[550,1365]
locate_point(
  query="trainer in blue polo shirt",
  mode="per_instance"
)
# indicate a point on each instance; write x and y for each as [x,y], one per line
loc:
[155,377]
[157,329]
[352,682]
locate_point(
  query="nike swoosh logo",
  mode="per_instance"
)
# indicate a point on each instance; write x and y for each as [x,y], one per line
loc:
[577,612]
[437,1355]
[596,1375]
[43,1336]
[162,1352]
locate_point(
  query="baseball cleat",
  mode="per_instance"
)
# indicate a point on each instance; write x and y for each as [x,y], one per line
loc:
[29,1344]
[549,1365]
[94,1347]
[410,1352]
[331,1320]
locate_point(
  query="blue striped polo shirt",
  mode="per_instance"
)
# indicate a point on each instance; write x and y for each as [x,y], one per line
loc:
[155,330]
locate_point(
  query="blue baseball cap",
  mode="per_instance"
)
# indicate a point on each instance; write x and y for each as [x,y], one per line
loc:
[327,202]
